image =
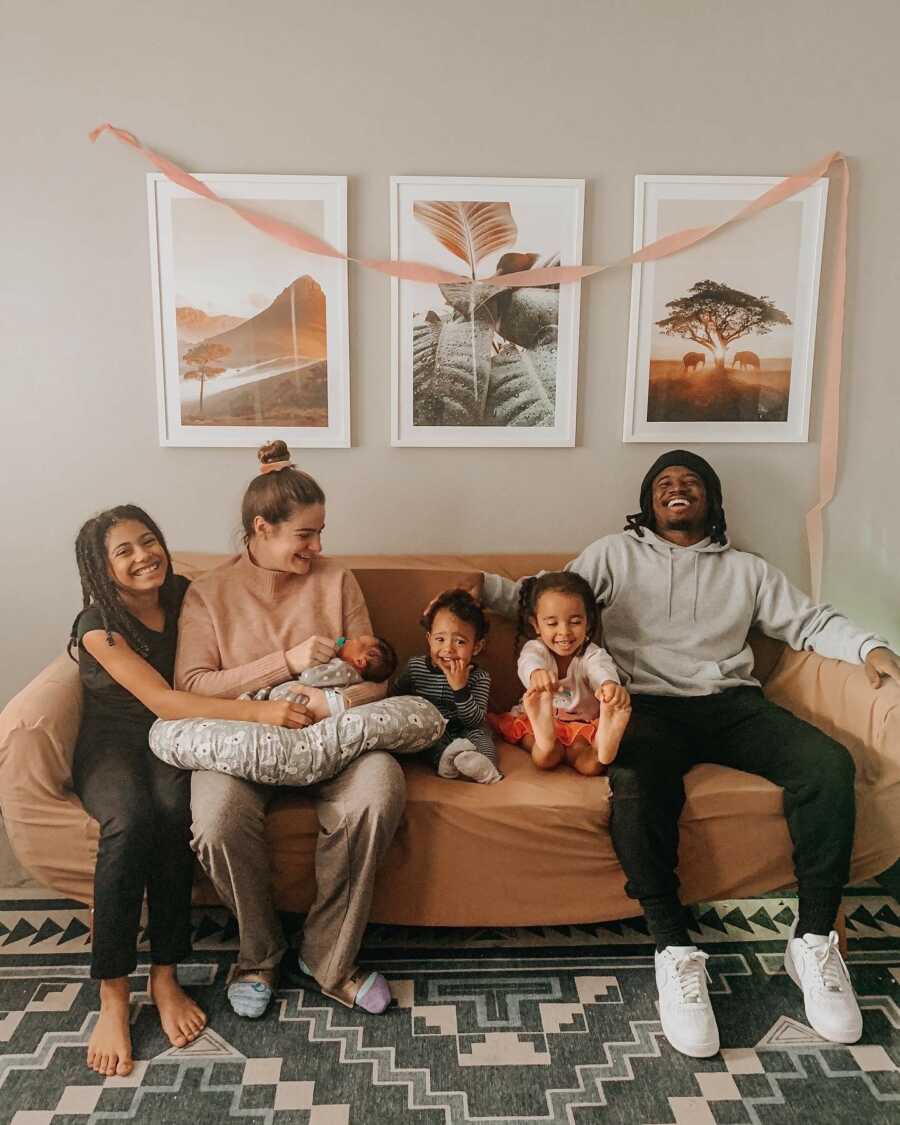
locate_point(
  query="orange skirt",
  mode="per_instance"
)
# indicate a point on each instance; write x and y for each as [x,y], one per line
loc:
[514,727]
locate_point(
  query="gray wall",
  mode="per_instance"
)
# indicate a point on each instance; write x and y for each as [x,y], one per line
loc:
[597,90]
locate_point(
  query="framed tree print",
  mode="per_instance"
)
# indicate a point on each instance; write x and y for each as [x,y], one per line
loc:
[251,335]
[722,334]
[474,364]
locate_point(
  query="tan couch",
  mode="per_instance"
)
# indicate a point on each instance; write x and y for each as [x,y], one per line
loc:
[534,849]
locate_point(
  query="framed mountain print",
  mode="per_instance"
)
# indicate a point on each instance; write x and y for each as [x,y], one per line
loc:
[251,335]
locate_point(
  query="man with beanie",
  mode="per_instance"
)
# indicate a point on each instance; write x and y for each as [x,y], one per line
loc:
[678,602]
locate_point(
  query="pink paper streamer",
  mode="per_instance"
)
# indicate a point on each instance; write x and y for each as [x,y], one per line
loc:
[555,275]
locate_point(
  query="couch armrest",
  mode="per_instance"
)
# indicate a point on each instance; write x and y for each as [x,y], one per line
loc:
[50,833]
[838,698]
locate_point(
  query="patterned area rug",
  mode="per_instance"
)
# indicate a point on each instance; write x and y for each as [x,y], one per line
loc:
[502,1027]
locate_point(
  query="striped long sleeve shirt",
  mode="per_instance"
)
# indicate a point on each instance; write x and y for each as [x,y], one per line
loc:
[464,709]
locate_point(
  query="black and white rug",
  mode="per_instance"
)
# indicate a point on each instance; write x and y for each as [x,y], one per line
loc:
[545,1026]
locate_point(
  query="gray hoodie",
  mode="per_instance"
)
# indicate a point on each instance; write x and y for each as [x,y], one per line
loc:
[675,619]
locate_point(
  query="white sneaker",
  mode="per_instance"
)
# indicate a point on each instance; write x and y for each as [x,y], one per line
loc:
[686,1013]
[815,965]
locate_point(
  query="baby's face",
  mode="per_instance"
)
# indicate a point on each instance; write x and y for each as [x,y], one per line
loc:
[358,651]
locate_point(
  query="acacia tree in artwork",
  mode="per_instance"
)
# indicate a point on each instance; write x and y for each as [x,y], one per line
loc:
[714,315]
[488,357]
[203,360]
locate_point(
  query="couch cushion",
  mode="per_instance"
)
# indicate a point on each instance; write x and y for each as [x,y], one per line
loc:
[522,852]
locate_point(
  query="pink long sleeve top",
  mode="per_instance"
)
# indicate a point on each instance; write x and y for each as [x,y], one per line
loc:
[238,622]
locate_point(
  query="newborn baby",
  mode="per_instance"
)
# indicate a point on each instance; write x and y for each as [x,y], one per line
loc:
[358,658]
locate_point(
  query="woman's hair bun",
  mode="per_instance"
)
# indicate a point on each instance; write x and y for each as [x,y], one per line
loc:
[273,451]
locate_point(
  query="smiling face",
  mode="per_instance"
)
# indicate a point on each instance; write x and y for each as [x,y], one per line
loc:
[291,545]
[135,558]
[561,622]
[679,501]
[451,638]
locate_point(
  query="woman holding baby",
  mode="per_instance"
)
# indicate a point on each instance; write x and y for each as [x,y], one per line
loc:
[259,620]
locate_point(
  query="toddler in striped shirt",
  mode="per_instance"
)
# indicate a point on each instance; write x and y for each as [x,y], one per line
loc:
[455,629]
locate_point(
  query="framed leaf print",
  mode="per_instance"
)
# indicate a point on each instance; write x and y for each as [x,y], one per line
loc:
[474,364]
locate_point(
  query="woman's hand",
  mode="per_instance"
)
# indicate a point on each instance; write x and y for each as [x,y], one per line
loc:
[457,672]
[613,695]
[317,704]
[315,650]
[282,713]
[542,680]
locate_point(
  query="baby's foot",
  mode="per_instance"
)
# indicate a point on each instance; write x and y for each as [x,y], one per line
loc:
[182,1020]
[539,709]
[109,1047]
[611,725]
[477,767]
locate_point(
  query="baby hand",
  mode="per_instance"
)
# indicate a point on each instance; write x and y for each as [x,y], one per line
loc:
[613,695]
[542,680]
[457,672]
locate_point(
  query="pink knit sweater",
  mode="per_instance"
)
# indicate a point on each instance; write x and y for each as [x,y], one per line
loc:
[238,621]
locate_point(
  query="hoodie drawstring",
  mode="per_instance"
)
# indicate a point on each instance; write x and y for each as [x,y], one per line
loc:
[669,595]
[696,586]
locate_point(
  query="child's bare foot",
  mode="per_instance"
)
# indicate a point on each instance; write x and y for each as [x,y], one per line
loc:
[182,1020]
[545,751]
[109,1048]
[611,725]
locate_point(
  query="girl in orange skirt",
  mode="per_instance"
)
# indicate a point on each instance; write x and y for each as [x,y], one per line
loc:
[574,708]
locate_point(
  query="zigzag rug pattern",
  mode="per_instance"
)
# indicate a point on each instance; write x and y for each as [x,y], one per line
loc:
[535,1027]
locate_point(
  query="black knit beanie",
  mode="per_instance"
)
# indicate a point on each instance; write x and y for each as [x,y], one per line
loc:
[691,461]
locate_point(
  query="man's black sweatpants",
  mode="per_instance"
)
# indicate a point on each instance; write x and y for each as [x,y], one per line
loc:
[740,728]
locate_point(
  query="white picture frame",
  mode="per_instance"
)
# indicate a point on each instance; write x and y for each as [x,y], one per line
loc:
[219,283]
[757,389]
[541,380]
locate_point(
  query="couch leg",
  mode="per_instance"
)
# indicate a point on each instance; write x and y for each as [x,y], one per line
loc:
[840,925]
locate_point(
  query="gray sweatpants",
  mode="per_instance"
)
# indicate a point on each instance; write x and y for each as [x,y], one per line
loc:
[358,811]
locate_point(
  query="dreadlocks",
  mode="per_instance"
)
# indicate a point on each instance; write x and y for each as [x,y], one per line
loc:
[98,588]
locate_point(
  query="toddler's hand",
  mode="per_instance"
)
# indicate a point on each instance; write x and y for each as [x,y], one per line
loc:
[613,695]
[457,672]
[542,680]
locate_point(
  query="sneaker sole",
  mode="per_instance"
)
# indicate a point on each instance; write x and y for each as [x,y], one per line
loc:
[697,1051]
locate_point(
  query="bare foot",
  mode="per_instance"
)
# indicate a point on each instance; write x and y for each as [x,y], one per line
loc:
[109,1048]
[611,725]
[582,757]
[181,1019]
[545,752]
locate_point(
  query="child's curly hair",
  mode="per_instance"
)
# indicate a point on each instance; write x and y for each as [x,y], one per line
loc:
[462,605]
[563,582]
